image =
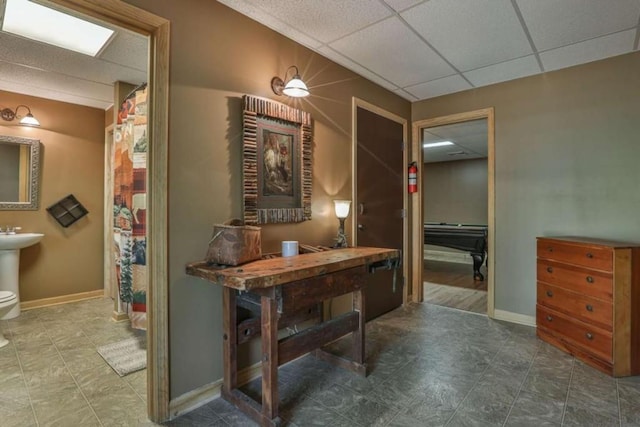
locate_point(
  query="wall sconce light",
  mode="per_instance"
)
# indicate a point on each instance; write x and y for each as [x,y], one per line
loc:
[342,212]
[294,87]
[8,115]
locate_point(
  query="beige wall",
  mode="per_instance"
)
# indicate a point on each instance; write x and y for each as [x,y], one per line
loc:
[67,260]
[217,55]
[567,153]
[455,192]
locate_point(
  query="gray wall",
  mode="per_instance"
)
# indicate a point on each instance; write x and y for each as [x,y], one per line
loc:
[455,192]
[567,162]
[218,55]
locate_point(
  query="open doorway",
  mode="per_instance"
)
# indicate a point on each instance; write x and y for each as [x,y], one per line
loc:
[454,183]
[157,30]
[453,216]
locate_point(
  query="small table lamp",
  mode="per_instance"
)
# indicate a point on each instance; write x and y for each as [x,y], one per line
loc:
[342,212]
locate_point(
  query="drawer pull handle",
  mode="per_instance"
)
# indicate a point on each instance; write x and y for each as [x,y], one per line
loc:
[549,318]
[550,249]
[589,255]
[589,279]
[549,293]
[589,307]
[550,269]
[589,336]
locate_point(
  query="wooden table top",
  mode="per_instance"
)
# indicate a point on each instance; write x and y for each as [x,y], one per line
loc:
[266,273]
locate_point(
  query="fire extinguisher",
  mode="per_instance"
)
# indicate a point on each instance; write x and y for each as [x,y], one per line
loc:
[413,177]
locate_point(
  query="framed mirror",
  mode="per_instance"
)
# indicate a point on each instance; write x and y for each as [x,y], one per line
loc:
[19,173]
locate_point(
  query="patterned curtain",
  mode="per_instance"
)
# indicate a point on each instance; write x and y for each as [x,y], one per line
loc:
[130,206]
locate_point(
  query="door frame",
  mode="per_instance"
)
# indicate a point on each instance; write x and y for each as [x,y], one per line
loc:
[157,29]
[359,103]
[418,200]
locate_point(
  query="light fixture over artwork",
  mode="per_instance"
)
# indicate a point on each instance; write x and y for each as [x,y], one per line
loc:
[294,87]
[342,212]
[8,115]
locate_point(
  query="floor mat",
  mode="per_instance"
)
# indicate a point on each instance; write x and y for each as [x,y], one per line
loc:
[126,356]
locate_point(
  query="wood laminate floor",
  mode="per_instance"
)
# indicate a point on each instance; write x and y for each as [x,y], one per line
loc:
[451,285]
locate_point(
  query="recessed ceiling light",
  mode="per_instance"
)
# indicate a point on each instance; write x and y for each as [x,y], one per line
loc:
[37,22]
[436,144]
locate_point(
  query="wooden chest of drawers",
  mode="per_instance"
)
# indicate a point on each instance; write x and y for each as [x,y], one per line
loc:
[588,294]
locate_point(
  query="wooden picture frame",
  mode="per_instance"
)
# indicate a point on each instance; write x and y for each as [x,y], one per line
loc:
[276,160]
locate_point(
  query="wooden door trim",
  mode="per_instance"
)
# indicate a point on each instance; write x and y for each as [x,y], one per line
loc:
[359,103]
[157,29]
[417,200]
[108,212]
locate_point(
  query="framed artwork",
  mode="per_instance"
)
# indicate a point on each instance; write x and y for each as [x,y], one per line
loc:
[276,159]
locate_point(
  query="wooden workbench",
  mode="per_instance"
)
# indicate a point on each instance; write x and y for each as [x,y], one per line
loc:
[281,292]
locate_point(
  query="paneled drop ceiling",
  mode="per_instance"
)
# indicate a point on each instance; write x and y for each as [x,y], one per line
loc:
[469,141]
[417,48]
[38,69]
[426,48]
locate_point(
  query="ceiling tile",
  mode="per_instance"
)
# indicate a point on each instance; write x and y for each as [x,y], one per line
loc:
[42,82]
[391,50]
[47,93]
[554,23]
[469,137]
[130,50]
[346,62]
[400,5]
[470,33]
[590,50]
[406,95]
[504,71]
[439,87]
[17,50]
[325,20]
[263,17]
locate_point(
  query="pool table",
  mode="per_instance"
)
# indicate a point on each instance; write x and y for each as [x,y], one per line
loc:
[471,238]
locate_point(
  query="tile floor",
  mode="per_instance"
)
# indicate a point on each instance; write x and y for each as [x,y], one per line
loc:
[51,374]
[434,366]
[429,365]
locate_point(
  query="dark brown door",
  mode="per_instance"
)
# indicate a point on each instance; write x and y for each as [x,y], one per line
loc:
[379,198]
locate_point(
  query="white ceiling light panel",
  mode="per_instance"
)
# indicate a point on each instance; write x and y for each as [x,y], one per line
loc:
[40,23]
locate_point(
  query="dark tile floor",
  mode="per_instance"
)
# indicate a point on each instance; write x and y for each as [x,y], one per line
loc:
[429,365]
[434,366]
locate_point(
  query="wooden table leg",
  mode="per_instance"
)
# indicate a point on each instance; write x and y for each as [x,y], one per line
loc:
[269,320]
[358,338]
[230,340]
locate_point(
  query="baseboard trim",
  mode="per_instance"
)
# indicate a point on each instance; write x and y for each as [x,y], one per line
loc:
[457,257]
[201,396]
[64,299]
[118,316]
[508,316]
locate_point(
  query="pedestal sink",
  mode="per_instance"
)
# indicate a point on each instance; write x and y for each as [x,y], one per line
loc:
[10,245]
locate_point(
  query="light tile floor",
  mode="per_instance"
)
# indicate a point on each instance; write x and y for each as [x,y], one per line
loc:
[51,374]
[429,366]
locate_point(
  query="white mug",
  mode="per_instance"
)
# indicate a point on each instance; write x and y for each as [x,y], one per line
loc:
[289,248]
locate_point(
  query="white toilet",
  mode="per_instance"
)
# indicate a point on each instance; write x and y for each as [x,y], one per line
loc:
[8,300]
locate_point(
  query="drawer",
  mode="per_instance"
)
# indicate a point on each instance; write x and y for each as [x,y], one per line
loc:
[589,282]
[590,256]
[589,338]
[587,309]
